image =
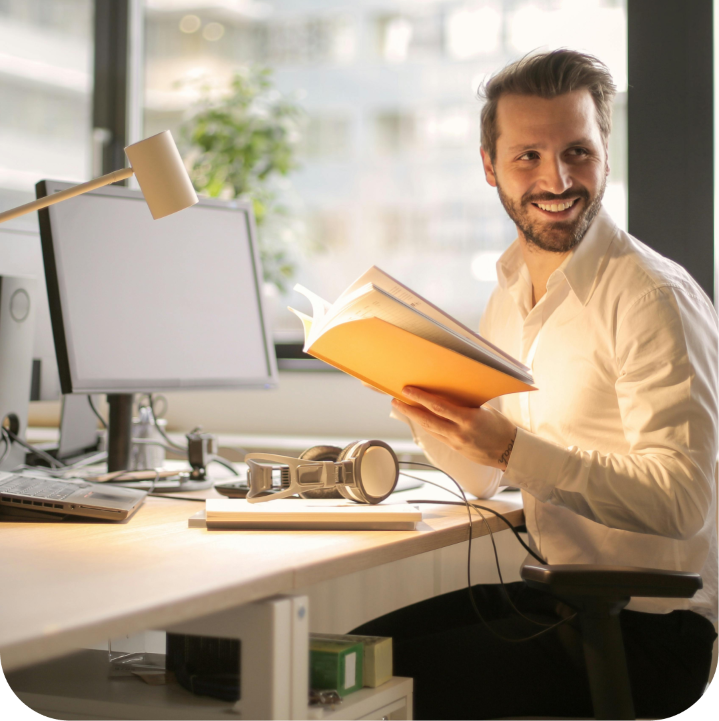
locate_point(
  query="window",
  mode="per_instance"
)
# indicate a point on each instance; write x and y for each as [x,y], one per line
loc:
[46,61]
[390,168]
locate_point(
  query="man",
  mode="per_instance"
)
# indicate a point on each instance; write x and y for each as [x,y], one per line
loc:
[614,454]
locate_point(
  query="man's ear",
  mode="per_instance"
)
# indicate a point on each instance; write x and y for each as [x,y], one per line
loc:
[488,168]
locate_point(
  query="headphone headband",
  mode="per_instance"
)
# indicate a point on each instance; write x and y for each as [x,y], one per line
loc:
[365,472]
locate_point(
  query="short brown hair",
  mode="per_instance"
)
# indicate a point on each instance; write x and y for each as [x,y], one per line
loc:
[547,75]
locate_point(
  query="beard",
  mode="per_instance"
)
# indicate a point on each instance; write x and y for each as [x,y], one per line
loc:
[562,235]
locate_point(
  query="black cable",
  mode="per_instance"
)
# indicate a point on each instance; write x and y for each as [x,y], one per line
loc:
[54,462]
[494,548]
[225,463]
[151,442]
[161,430]
[6,450]
[176,498]
[96,412]
[476,505]
[176,446]
[154,480]
[472,599]
[499,515]
[491,537]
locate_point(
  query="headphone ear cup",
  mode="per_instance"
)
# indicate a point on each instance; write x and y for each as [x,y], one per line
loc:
[344,452]
[351,494]
[376,470]
[321,453]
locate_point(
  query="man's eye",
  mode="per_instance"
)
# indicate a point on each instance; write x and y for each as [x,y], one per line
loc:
[530,155]
[578,151]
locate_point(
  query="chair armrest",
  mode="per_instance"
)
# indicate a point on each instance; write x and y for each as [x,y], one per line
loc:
[610,582]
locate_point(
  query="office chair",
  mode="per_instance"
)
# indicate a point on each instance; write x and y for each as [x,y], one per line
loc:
[598,594]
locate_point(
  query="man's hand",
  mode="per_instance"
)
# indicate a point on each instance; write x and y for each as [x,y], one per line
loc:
[482,435]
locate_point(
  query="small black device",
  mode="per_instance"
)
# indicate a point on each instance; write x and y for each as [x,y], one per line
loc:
[205,665]
[200,449]
[233,489]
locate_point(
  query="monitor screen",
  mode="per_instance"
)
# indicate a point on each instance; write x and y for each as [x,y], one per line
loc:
[141,305]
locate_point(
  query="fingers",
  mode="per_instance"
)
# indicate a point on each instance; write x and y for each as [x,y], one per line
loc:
[436,425]
[438,405]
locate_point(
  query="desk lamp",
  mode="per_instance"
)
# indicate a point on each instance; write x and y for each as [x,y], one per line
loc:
[158,167]
[166,186]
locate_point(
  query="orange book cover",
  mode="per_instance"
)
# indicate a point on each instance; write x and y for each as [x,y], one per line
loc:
[389,358]
[389,337]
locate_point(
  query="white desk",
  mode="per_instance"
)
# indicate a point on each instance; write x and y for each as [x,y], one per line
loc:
[72,585]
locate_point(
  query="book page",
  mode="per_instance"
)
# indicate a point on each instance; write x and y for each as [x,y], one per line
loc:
[374,302]
[324,313]
[390,285]
[306,325]
[319,305]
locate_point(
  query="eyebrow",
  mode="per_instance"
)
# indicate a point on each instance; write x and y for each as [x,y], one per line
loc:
[535,146]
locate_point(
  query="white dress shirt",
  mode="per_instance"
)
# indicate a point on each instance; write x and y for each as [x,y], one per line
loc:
[616,452]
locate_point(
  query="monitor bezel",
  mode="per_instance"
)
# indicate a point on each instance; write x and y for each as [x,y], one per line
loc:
[68,384]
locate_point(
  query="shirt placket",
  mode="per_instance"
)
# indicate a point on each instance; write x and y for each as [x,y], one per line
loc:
[530,338]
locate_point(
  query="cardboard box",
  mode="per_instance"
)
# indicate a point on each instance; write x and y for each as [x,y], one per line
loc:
[336,664]
[377,664]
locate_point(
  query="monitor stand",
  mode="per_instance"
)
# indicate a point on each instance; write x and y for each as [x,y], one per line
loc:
[119,446]
[119,431]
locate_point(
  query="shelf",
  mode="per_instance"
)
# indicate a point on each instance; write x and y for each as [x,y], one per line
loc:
[391,700]
[78,687]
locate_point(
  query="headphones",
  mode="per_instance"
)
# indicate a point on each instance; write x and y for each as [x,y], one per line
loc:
[364,472]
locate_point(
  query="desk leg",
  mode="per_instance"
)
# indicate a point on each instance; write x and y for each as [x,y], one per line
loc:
[274,653]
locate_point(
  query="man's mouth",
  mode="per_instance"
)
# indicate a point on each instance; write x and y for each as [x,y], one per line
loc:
[554,207]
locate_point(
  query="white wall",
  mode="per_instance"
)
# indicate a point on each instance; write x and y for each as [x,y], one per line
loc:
[305,404]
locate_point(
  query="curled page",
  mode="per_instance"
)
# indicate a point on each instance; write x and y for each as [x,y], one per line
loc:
[306,324]
[320,306]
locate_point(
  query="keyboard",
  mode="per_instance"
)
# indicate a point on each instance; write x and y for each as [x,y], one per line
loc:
[45,488]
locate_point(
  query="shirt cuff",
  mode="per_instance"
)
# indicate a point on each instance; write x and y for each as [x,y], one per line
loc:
[535,464]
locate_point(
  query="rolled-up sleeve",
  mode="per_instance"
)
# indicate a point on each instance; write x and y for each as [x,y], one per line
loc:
[666,357]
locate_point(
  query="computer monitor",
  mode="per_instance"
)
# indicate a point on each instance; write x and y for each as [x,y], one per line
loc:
[20,255]
[143,305]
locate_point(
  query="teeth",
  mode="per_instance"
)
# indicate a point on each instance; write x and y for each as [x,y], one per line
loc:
[554,207]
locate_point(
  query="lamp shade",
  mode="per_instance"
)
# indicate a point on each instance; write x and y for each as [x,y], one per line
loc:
[161,174]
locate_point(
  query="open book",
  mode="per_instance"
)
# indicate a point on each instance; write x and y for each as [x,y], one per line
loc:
[386,335]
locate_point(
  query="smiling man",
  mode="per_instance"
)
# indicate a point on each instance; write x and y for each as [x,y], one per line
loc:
[615,454]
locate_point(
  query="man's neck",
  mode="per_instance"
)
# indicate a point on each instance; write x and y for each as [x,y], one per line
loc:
[541,264]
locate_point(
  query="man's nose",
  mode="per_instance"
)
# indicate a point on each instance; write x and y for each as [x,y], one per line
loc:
[556,177]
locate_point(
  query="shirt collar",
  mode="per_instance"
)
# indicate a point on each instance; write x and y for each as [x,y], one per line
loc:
[580,268]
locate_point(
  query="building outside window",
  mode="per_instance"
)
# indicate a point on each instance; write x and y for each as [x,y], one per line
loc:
[46,66]
[390,169]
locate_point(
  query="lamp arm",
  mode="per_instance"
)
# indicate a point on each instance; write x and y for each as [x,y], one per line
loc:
[65,194]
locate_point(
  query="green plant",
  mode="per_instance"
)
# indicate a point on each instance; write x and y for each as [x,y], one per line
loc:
[238,145]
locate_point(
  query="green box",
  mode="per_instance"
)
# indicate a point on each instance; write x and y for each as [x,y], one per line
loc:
[336,664]
[377,665]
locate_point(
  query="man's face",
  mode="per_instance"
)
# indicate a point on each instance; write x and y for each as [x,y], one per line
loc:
[550,167]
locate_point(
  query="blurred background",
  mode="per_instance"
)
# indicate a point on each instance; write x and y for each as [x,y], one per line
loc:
[386,141]
[373,111]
